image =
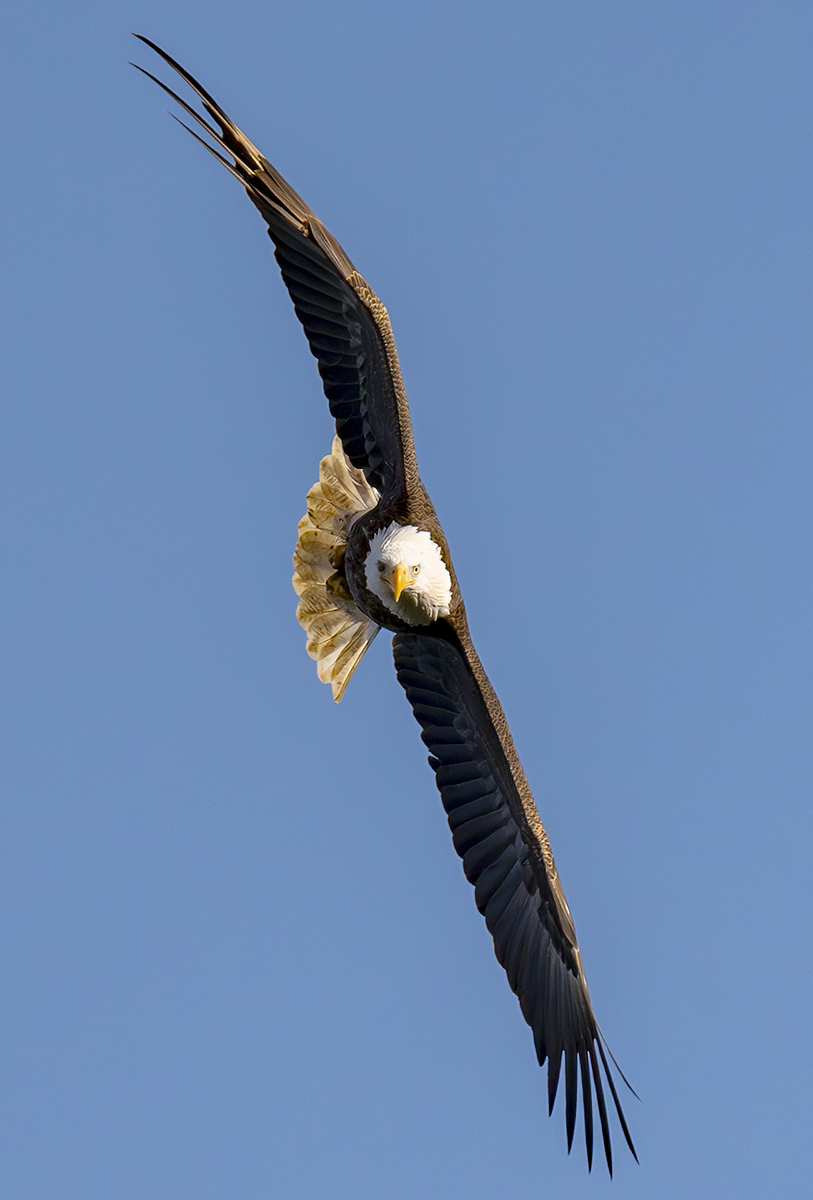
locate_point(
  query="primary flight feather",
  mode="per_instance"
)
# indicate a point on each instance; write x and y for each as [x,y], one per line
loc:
[371,554]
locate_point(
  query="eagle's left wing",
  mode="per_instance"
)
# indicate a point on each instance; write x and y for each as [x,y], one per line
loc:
[506,855]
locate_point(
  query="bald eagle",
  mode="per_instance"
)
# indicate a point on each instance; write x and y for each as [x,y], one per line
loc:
[371,554]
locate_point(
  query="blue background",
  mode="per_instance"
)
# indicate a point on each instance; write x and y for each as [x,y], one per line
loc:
[240,958]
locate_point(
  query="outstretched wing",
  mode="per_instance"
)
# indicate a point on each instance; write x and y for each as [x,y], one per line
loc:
[346,325]
[506,855]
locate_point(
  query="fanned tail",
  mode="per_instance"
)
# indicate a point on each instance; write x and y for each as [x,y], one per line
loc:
[338,632]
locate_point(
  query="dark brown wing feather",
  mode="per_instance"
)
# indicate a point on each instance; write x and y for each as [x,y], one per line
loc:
[506,855]
[346,325]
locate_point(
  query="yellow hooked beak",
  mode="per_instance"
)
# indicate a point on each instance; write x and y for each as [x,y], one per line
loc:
[400,579]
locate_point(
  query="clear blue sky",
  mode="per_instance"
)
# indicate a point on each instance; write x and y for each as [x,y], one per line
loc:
[240,958]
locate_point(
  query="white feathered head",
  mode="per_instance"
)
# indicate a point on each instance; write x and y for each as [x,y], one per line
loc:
[405,569]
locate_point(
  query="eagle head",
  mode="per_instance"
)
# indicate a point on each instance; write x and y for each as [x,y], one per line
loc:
[406,571]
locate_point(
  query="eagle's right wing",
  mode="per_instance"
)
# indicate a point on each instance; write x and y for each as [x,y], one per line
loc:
[347,326]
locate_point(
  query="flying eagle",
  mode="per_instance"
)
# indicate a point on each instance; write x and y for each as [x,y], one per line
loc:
[371,553]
